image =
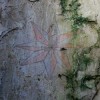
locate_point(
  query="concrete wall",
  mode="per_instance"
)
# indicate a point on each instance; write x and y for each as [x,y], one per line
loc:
[29,65]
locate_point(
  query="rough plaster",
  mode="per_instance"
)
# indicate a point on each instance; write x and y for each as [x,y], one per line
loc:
[30,82]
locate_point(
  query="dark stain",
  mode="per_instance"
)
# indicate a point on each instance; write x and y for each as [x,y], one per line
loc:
[63,49]
[59,75]
[33,1]
[38,79]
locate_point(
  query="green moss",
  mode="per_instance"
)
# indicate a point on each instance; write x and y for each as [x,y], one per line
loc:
[80,63]
[63,4]
[71,84]
[72,9]
[78,22]
[88,78]
[81,57]
[71,79]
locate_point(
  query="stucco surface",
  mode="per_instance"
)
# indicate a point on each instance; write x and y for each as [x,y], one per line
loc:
[22,80]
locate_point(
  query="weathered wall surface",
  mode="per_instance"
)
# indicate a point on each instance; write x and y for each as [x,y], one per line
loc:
[19,78]
[25,73]
[87,37]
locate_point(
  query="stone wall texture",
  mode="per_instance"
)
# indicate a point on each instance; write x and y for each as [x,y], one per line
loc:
[32,34]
